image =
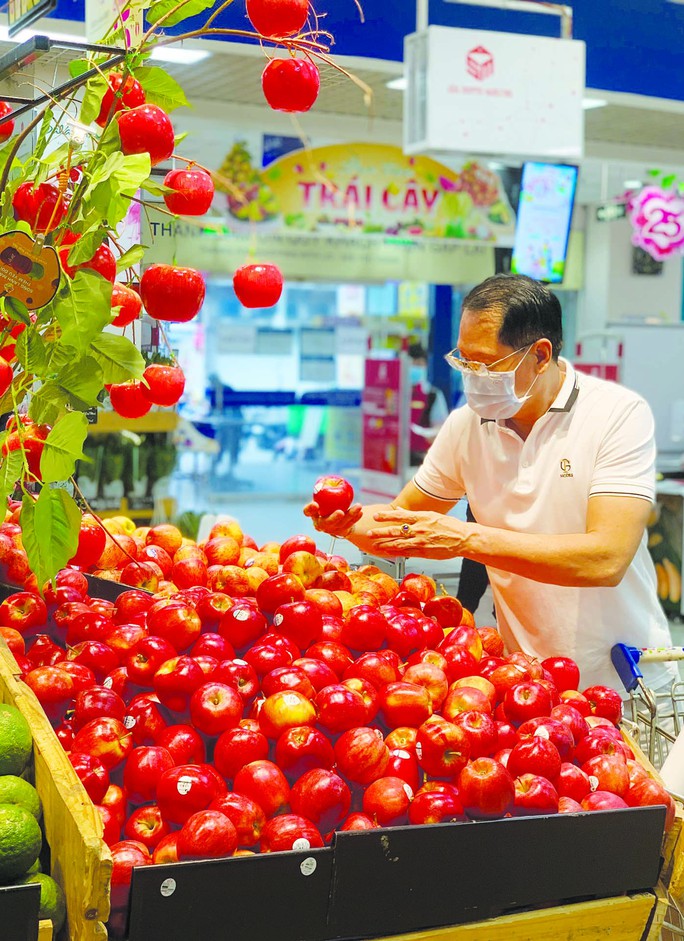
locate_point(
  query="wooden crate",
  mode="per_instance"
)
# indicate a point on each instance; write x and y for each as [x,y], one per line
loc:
[81,861]
[621,919]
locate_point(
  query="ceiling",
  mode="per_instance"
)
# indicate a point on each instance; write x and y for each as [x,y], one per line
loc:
[623,139]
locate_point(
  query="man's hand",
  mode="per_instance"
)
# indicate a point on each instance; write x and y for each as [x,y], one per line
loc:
[339,523]
[425,535]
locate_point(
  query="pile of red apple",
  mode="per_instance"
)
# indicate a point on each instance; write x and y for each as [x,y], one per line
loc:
[247,714]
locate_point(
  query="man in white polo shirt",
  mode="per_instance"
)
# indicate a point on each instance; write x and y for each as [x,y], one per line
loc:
[559,468]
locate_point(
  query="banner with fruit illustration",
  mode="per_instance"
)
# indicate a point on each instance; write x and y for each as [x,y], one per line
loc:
[368,189]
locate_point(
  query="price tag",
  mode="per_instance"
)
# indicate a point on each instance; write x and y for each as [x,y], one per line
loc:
[29,269]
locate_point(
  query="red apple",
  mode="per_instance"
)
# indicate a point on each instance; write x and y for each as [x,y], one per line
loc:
[284,678]
[573,782]
[564,672]
[277,590]
[387,800]
[605,702]
[552,729]
[187,789]
[317,672]
[336,656]
[301,621]
[465,699]
[603,800]
[285,710]
[369,693]
[599,742]
[573,698]
[357,822]
[237,747]
[645,792]
[96,702]
[481,731]
[246,816]
[486,789]
[240,675]
[146,658]
[211,609]
[207,834]
[526,700]
[176,622]
[447,610]
[93,775]
[572,718]
[106,739]
[535,756]
[442,748]
[99,657]
[126,855]
[535,795]
[405,704]
[373,667]
[422,586]
[610,773]
[289,832]
[404,764]
[361,755]
[332,493]
[340,708]
[166,850]
[364,629]
[265,784]
[299,543]
[184,743]
[144,719]
[143,769]
[146,825]
[215,707]
[176,680]
[322,797]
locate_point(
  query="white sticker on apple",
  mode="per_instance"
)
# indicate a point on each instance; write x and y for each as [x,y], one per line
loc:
[243,663]
[108,682]
[400,753]
[278,620]
[307,866]
[184,784]
[593,782]
[168,887]
[129,721]
[290,699]
[301,844]
[241,614]
[419,750]
[542,732]
[408,790]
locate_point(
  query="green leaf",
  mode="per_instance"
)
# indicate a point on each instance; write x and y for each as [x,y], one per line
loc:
[668,180]
[50,527]
[161,89]
[10,472]
[115,183]
[118,358]
[83,379]
[179,138]
[48,404]
[92,99]
[654,172]
[78,67]
[32,352]
[63,447]
[134,254]
[191,8]
[155,188]
[15,310]
[58,356]
[87,309]
[85,247]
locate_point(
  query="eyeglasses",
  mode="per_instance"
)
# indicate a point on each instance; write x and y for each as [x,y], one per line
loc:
[472,366]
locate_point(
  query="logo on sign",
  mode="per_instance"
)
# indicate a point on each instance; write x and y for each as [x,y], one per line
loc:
[657,218]
[480,63]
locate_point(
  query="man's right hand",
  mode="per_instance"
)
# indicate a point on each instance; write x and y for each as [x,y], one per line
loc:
[339,523]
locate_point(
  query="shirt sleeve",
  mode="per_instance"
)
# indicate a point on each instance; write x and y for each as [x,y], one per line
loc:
[625,463]
[439,475]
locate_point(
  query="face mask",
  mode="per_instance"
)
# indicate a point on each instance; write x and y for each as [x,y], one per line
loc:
[418,375]
[493,394]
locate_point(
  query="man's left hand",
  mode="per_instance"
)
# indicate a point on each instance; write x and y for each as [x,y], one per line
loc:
[418,535]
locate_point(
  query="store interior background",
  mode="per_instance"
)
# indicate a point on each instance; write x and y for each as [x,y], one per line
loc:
[272,451]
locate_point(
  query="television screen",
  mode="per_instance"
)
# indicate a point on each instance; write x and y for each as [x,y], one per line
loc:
[547,197]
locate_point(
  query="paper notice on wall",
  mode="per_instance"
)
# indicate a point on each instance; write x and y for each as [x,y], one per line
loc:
[237,339]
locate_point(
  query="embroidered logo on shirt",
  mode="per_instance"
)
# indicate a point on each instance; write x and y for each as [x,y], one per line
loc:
[566,468]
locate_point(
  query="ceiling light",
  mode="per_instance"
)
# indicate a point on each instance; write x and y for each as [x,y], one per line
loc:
[397,84]
[632,184]
[179,56]
[30,33]
[590,103]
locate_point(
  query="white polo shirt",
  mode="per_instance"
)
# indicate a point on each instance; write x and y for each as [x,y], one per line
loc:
[597,438]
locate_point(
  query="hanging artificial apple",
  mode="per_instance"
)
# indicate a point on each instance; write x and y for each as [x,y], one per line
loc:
[258,285]
[291,85]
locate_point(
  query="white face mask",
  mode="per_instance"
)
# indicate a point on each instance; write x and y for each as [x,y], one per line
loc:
[492,395]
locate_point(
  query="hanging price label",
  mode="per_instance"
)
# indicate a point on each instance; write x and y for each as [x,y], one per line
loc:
[29,269]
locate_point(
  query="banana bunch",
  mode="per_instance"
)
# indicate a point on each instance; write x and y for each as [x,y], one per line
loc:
[669,581]
[665,528]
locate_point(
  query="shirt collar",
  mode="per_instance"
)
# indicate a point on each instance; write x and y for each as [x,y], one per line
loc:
[567,395]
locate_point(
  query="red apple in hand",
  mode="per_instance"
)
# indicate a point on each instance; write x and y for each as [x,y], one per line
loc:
[332,493]
[486,789]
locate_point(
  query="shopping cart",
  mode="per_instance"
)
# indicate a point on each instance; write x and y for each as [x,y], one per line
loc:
[654,721]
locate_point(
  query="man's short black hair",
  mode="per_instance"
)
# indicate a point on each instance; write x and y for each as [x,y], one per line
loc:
[529,310]
[417,351]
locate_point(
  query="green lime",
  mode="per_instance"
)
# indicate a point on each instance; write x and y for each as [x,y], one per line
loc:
[14,790]
[16,743]
[20,841]
[52,903]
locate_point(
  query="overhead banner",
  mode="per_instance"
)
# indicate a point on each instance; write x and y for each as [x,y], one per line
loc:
[367,189]
[477,91]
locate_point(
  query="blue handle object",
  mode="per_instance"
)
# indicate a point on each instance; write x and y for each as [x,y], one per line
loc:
[626,662]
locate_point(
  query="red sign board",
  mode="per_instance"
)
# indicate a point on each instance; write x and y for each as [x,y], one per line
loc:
[608,371]
[382,419]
